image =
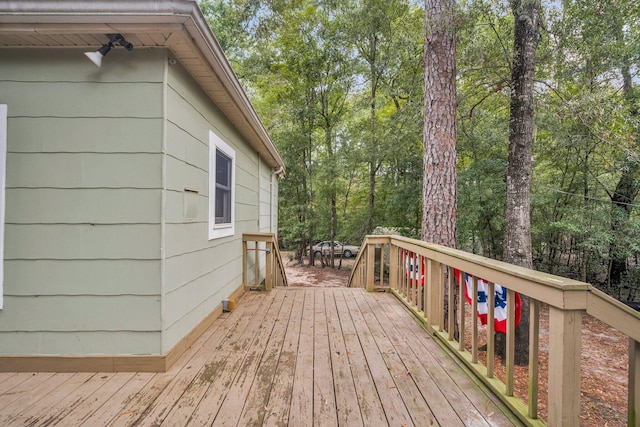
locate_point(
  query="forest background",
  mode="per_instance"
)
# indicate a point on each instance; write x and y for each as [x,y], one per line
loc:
[339,86]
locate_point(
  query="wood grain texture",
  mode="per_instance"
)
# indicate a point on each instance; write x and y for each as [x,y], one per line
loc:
[293,356]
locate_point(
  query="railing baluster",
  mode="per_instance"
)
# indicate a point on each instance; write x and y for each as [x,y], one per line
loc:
[491,305]
[427,293]
[437,293]
[511,339]
[414,283]
[461,310]
[405,277]
[474,320]
[420,283]
[634,383]
[450,304]
[534,356]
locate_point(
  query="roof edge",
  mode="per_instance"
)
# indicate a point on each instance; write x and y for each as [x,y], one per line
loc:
[185,12]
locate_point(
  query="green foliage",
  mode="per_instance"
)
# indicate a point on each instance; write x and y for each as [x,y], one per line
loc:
[339,87]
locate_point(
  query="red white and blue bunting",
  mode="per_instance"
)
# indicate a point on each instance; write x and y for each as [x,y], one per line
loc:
[500,306]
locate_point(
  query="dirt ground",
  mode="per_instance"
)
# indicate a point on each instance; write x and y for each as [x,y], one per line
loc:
[604,353]
[605,362]
[316,275]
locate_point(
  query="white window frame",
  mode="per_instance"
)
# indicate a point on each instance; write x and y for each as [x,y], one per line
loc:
[3,163]
[216,144]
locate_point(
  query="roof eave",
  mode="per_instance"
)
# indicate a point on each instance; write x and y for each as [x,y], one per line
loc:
[142,13]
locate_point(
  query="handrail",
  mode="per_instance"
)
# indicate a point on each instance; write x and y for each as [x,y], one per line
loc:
[272,271]
[421,275]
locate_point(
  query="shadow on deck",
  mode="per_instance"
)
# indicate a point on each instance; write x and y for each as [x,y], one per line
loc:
[293,356]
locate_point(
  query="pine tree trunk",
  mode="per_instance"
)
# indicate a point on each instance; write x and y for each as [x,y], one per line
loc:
[439,136]
[517,236]
[439,182]
[373,149]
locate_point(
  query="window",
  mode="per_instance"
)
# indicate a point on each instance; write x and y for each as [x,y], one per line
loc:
[221,187]
[3,162]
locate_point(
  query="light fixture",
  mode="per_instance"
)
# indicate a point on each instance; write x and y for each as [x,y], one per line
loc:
[96,57]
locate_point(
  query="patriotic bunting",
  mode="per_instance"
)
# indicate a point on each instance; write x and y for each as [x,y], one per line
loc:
[500,310]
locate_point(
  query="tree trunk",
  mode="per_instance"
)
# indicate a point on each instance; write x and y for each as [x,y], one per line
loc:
[439,180]
[621,200]
[439,136]
[373,149]
[517,235]
[623,196]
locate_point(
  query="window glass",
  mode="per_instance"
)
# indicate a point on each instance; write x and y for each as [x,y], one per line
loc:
[221,187]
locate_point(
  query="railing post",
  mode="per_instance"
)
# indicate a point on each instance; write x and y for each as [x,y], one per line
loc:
[565,341]
[381,271]
[371,264]
[269,260]
[256,264]
[634,384]
[393,266]
[244,262]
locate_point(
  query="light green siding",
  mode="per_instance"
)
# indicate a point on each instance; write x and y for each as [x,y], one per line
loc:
[106,237]
[83,202]
[267,203]
[85,135]
[100,343]
[199,273]
[83,313]
[82,277]
[83,170]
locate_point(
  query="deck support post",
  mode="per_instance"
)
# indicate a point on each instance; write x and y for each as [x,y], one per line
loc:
[565,341]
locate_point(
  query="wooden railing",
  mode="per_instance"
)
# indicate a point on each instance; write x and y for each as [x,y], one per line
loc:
[260,252]
[422,276]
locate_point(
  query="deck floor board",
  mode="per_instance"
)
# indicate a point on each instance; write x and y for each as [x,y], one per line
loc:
[293,356]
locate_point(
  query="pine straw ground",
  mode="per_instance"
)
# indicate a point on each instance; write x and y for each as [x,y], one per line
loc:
[605,363]
[605,356]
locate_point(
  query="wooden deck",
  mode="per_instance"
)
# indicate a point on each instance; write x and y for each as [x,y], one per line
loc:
[294,356]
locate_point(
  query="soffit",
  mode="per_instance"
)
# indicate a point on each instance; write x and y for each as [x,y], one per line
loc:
[179,27]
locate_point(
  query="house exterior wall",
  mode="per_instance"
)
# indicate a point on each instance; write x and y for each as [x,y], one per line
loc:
[265,202]
[106,232]
[82,259]
[199,273]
